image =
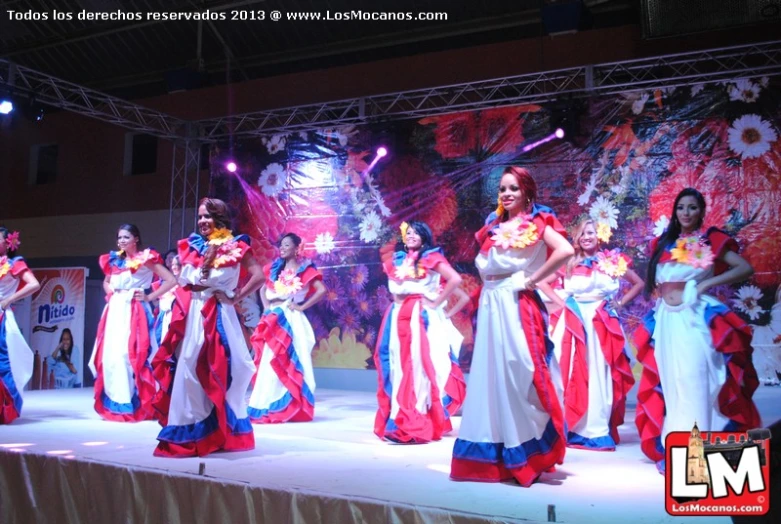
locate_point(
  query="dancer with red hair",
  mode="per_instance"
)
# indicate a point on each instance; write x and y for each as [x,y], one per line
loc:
[512,424]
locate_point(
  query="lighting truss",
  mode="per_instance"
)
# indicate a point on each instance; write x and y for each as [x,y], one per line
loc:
[708,66]
[185,168]
[81,100]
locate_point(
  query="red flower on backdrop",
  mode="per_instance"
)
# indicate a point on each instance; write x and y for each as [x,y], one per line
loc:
[443,210]
[761,240]
[407,189]
[697,145]
[355,165]
[492,131]
[759,188]
[310,220]
[387,250]
[622,140]
[462,246]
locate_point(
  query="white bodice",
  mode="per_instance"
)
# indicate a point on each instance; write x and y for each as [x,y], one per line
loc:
[127,280]
[499,261]
[677,272]
[299,297]
[8,285]
[224,278]
[427,286]
[597,286]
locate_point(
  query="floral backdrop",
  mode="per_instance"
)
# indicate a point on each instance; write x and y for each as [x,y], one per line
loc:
[623,161]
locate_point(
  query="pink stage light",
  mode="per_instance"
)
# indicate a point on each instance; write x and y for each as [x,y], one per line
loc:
[559,133]
[231,167]
[382,151]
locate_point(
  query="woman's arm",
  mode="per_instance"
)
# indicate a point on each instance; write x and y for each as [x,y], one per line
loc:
[637,287]
[739,271]
[545,287]
[107,285]
[263,297]
[169,282]
[462,299]
[561,252]
[30,286]
[256,279]
[452,281]
[316,297]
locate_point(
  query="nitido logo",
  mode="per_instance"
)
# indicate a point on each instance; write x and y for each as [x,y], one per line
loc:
[717,473]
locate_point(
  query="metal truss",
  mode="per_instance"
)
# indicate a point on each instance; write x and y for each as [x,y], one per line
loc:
[185,170]
[603,79]
[77,99]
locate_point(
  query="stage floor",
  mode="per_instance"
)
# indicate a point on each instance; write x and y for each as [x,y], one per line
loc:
[337,455]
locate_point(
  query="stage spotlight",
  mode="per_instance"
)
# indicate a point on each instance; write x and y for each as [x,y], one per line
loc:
[559,133]
[6,106]
[231,167]
[382,151]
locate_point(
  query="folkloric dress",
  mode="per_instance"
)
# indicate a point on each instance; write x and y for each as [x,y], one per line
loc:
[512,424]
[283,342]
[16,357]
[203,365]
[696,356]
[420,384]
[124,385]
[590,348]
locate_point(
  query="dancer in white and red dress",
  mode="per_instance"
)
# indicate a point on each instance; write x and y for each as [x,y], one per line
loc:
[512,424]
[203,365]
[284,389]
[590,343]
[166,303]
[420,383]
[124,385]
[695,351]
[16,357]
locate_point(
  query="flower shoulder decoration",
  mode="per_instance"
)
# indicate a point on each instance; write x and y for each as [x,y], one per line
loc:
[612,263]
[693,251]
[288,283]
[5,266]
[517,233]
[406,270]
[228,250]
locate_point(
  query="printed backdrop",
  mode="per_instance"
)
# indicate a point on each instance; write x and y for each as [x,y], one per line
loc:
[624,160]
[59,304]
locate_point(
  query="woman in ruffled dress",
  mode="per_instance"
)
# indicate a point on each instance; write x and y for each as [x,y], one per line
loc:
[512,426]
[284,389]
[590,343]
[695,351]
[16,357]
[420,382]
[204,366]
[124,385]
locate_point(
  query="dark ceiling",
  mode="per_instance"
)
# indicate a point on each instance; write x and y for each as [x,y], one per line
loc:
[134,59]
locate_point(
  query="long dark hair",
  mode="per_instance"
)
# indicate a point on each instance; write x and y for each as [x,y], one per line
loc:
[133,230]
[670,235]
[293,237]
[10,252]
[69,351]
[426,238]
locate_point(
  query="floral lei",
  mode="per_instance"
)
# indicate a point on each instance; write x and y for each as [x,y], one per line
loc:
[5,266]
[612,263]
[228,250]
[136,261]
[287,283]
[518,233]
[693,251]
[406,270]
